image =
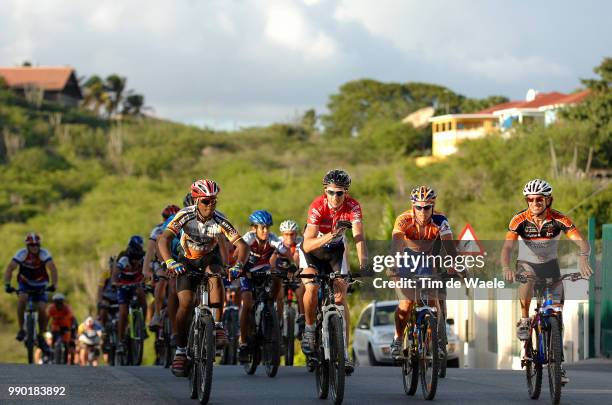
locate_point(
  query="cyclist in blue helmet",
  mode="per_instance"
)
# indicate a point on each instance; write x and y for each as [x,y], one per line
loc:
[263,246]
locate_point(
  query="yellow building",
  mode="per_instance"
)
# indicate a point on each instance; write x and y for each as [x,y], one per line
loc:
[449,130]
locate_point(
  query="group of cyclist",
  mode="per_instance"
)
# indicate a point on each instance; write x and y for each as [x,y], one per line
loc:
[198,238]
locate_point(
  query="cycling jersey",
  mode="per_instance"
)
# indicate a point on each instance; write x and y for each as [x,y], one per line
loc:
[322,215]
[157,230]
[261,252]
[129,274]
[539,245]
[60,318]
[421,237]
[198,237]
[32,267]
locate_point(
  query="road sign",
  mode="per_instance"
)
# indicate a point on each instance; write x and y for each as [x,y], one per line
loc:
[468,243]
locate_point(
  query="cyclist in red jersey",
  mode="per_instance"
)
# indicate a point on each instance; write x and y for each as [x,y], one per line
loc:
[33,280]
[323,248]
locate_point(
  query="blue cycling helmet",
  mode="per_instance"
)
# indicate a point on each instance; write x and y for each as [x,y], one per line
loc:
[260,217]
[136,242]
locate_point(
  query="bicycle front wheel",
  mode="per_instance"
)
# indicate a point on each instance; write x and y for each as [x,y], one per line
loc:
[429,362]
[533,365]
[206,359]
[321,367]
[290,338]
[336,358]
[30,338]
[271,348]
[137,340]
[410,365]
[555,352]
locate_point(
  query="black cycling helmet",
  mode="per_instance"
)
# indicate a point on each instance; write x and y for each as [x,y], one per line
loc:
[337,177]
[188,200]
[135,249]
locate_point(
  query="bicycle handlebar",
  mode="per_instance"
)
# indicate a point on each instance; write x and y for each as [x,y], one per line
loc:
[524,278]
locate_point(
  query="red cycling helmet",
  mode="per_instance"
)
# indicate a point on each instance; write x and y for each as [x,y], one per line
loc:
[169,211]
[32,239]
[204,188]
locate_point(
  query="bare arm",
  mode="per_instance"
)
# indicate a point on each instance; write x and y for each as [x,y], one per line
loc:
[360,244]
[8,274]
[506,255]
[53,270]
[242,251]
[149,256]
[163,244]
[311,242]
[585,250]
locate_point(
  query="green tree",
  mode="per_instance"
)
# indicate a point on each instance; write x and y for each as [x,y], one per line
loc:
[596,111]
[133,105]
[96,97]
[115,86]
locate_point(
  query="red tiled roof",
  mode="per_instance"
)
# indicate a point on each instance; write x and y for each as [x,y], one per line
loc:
[502,106]
[48,78]
[541,100]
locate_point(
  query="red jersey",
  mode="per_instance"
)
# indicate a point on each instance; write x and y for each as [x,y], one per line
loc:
[325,218]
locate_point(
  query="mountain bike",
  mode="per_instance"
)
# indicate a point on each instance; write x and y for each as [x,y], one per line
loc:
[544,345]
[163,350]
[420,345]
[135,336]
[264,337]
[330,357]
[110,337]
[201,341]
[30,322]
[288,326]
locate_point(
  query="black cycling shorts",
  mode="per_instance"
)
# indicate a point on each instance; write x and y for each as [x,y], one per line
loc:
[196,268]
[326,259]
[549,269]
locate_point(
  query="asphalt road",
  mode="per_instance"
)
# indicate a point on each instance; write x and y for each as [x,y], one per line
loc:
[591,383]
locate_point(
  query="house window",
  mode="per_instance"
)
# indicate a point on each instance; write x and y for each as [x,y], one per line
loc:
[460,125]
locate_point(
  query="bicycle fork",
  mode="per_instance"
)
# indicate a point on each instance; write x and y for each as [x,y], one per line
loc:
[328,311]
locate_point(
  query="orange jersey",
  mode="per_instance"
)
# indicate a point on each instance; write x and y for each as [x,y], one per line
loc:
[60,318]
[539,244]
[420,237]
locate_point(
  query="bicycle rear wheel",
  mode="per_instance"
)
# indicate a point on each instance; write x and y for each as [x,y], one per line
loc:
[206,359]
[410,365]
[168,352]
[429,364]
[30,338]
[533,366]
[555,352]
[321,367]
[337,359]
[271,347]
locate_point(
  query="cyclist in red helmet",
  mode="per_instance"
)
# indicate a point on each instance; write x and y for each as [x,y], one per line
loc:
[200,227]
[33,279]
[152,269]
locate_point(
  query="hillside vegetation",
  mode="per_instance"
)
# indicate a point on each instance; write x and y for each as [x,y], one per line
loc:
[86,183]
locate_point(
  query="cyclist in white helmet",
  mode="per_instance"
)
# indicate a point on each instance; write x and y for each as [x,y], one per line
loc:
[538,229]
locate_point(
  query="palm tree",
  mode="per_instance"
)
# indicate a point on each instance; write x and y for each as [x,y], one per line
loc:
[95,94]
[114,86]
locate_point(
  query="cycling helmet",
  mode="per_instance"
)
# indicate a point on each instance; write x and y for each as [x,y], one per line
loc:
[188,200]
[59,297]
[423,194]
[48,335]
[204,188]
[170,210]
[288,225]
[337,177]
[136,242]
[32,239]
[89,320]
[537,186]
[260,217]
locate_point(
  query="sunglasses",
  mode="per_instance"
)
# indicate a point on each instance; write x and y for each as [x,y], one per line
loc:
[423,207]
[208,201]
[536,199]
[332,193]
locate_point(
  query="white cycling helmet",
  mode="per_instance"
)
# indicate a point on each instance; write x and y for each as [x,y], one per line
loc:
[537,186]
[59,297]
[288,225]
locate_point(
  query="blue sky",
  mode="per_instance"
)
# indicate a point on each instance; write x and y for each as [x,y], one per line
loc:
[232,63]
